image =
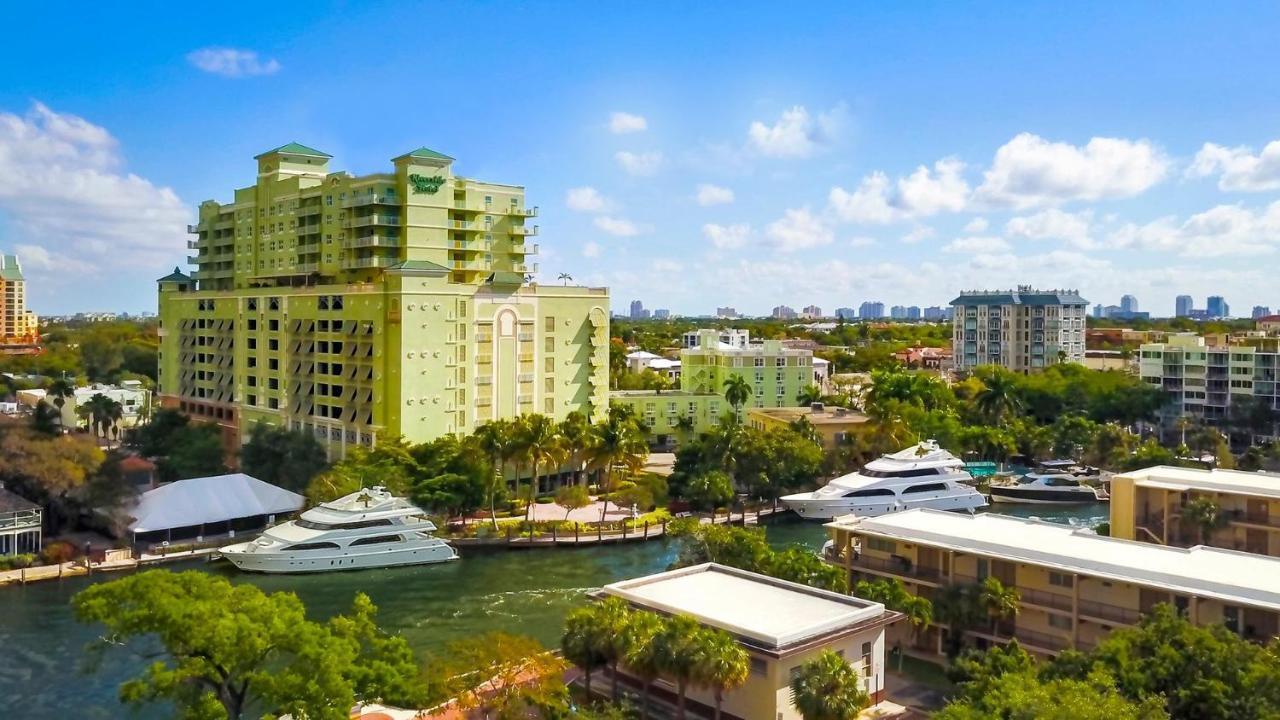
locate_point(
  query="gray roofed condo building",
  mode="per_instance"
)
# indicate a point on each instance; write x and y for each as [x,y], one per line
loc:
[1024,330]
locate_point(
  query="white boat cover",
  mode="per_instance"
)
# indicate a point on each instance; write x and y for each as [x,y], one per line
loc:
[210,500]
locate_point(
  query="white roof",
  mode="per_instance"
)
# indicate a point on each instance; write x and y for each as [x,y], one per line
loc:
[209,500]
[663,364]
[772,612]
[642,355]
[1228,575]
[1236,482]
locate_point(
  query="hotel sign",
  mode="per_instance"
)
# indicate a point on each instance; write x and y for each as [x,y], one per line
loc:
[426,184]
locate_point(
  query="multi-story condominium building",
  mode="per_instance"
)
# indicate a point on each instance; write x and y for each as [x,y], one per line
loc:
[19,327]
[732,337]
[783,312]
[1217,307]
[1075,587]
[871,310]
[1202,379]
[811,311]
[933,312]
[1024,330]
[672,416]
[776,373]
[728,313]
[359,307]
[1128,304]
[1261,311]
[831,424]
[1150,505]
[845,313]
[1183,306]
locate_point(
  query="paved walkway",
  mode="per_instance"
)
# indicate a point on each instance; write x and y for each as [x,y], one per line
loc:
[588,514]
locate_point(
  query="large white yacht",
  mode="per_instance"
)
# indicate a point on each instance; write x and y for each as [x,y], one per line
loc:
[1044,489]
[367,529]
[923,475]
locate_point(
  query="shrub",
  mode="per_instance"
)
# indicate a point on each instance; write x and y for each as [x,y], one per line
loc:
[58,551]
[14,562]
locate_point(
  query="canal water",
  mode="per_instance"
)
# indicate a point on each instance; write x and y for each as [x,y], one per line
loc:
[513,591]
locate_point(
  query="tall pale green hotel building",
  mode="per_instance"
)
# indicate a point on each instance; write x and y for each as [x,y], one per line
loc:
[384,305]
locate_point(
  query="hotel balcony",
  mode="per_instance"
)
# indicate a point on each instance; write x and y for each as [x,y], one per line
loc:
[362,200]
[307,267]
[524,268]
[375,219]
[1093,610]
[193,229]
[368,262]
[193,244]
[521,212]
[522,249]
[371,240]
[476,265]
[522,230]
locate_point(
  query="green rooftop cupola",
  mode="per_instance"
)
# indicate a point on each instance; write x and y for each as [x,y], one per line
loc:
[294,148]
[424,153]
[176,280]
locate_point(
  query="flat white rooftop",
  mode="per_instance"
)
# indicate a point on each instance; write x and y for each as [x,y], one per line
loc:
[773,613]
[1235,482]
[1233,577]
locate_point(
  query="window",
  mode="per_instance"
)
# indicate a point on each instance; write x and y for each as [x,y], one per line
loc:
[1061,579]
[1231,618]
[926,487]
[377,540]
[880,492]
[880,545]
[759,666]
[1059,622]
[548,344]
[549,324]
[315,546]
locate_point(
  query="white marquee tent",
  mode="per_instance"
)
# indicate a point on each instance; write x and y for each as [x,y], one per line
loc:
[209,500]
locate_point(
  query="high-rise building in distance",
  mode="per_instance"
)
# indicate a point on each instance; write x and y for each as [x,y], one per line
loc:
[1260,311]
[1183,306]
[783,312]
[19,327]
[871,310]
[846,313]
[1217,307]
[1128,304]
[374,306]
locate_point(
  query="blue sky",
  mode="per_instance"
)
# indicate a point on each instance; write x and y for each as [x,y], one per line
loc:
[691,155]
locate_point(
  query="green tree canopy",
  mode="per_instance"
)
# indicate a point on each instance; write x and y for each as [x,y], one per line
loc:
[284,457]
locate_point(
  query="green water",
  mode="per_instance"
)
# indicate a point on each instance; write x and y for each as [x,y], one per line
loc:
[515,591]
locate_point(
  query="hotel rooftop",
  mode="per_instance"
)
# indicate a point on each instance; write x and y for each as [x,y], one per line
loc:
[1227,575]
[1236,482]
[768,614]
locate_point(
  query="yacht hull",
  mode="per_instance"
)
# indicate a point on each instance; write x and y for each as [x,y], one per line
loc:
[1028,496]
[821,509]
[312,561]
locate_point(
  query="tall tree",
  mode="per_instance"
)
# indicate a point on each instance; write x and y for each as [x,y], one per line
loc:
[721,664]
[494,439]
[676,647]
[619,447]
[640,653]
[737,391]
[545,447]
[828,688]
[1205,516]
[575,431]
[283,457]
[230,649]
[580,643]
[61,389]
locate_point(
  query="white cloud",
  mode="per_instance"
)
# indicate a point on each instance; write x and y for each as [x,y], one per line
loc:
[617,226]
[977,245]
[664,265]
[232,62]
[862,241]
[642,164]
[1028,171]
[918,233]
[799,229]
[1054,224]
[727,237]
[796,134]
[585,199]
[591,249]
[1219,231]
[977,225]
[714,195]
[1238,168]
[923,193]
[621,123]
[65,193]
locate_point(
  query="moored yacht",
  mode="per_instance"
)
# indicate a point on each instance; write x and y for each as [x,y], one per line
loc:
[1044,489]
[367,529]
[922,475]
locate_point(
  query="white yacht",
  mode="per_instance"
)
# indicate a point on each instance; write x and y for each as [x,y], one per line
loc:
[367,529]
[923,475]
[1044,489]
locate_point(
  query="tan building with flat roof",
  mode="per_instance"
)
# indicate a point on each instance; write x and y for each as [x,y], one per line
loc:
[832,424]
[780,624]
[1075,586]
[1149,505]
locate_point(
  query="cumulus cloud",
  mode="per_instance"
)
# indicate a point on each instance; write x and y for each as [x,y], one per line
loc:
[918,233]
[66,194]
[796,134]
[727,237]
[1030,171]
[642,164]
[621,123]
[591,249]
[862,241]
[1054,224]
[1219,231]
[1238,168]
[977,225]
[585,199]
[713,195]
[232,62]
[799,229]
[617,226]
[923,193]
[977,245]
[664,265]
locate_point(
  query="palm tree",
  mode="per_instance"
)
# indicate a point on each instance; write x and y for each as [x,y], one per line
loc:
[566,278]
[494,439]
[113,413]
[809,395]
[611,619]
[580,643]
[828,688]
[998,396]
[895,596]
[618,443]
[545,447]
[677,654]
[575,430]
[722,664]
[519,452]
[737,391]
[60,390]
[998,600]
[640,653]
[684,428]
[1205,516]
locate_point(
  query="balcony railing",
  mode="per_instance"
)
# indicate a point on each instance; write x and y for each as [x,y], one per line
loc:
[361,200]
[1041,640]
[522,249]
[1045,599]
[369,262]
[371,240]
[1110,613]
[900,567]
[375,219]
[523,230]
